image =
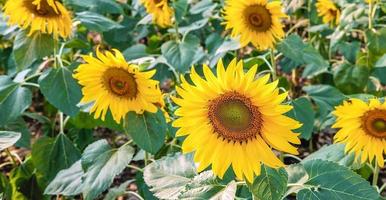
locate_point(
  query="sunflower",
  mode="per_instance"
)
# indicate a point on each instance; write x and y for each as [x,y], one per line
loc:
[255,21]
[111,83]
[362,129]
[233,120]
[329,11]
[45,16]
[160,10]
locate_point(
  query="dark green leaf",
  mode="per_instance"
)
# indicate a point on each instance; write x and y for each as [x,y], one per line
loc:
[271,184]
[303,54]
[325,96]
[180,7]
[115,192]
[50,156]
[8,138]
[99,6]
[148,130]
[97,22]
[351,79]
[14,100]
[381,62]
[304,113]
[27,49]
[182,55]
[134,52]
[61,90]
[376,41]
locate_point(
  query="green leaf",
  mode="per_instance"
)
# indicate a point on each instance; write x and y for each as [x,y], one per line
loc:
[148,130]
[297,176]
[325,96]
[115,192]
[381,62]
[8,139]
[376,41]
[334,153]
[180,8]
[97,22]
[271,184]
[304,113]
[50,156]
[182,55]
[168,176]
[134,52]
[351,79]
[61,90]
[14,100]
[206,186]
[19,125]
[28,49]
[303,54]
[24,183]
[103,164]
[99,6]
[328,180]
[67,182]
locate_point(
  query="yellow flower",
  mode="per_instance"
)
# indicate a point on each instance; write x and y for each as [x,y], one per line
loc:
[362,129]
[234,120]
[160,10]
[329,11]
[255,21]
[111,83]
[45,16]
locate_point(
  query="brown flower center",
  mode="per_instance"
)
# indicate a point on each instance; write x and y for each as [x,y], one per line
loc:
[374,123]
[45,10]
[258,18]
[120,83]
[234,117]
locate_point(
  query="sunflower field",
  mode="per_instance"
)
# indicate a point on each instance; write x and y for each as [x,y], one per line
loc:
[192,99]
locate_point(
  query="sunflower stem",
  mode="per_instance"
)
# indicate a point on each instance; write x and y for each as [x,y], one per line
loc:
[146,159]
[370,14]
[61,123]
[376,175]
[14,163]
[273,65]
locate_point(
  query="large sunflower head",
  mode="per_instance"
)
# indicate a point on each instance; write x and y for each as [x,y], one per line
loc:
[329,11]
[255,21]
[111,83]
[160,10]
[363,129]
[234,120]
[45,16]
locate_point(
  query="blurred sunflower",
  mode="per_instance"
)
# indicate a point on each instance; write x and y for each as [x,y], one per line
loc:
[329,11]
[234,120]
[362,129]
[111,83]
[160,10]
[255,21]
[45,16]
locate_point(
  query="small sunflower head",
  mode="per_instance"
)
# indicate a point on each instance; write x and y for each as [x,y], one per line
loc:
[160,11]
[362,127]
[255,21]
[110,83]
[329,11]
[44,16]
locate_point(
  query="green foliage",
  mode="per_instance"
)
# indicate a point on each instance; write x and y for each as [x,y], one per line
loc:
[270,185]
[14,100]
[8,138]
[148,130]
[61,90]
